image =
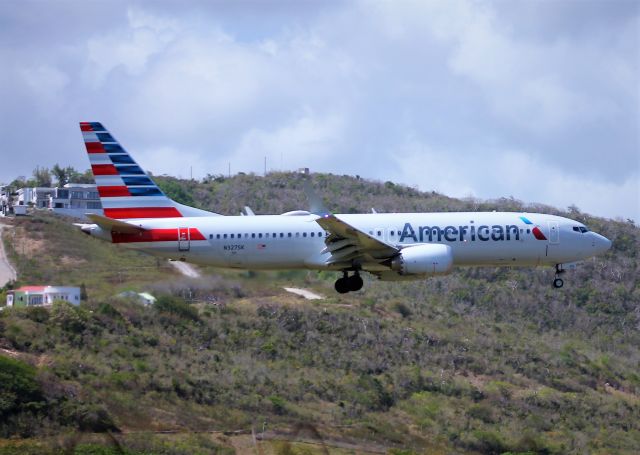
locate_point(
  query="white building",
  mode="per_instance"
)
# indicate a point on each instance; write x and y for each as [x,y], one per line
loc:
[40,197]
[76,199]
[42,295]
[24,196]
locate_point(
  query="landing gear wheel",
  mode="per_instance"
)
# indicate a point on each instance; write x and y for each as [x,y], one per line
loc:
[342,285]
[355,282]
[558,283]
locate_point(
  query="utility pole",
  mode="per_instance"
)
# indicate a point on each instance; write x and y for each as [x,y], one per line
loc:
[229,169]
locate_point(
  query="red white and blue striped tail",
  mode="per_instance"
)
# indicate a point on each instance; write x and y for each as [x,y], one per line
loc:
[125,189]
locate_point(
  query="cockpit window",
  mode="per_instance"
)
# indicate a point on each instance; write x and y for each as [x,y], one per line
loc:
[580,229]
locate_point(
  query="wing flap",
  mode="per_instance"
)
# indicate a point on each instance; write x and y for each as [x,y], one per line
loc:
[351,246]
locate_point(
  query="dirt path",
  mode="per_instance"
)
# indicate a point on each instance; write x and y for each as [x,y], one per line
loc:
[185,269]
[7,272]
[304,293]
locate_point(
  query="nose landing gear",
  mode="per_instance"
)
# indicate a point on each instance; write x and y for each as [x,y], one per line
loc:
[558,282]
[349,283]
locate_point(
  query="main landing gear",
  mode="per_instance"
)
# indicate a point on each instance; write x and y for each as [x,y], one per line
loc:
[558,282]
[349,283]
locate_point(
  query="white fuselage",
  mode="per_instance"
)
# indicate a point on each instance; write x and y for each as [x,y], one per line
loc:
[297,241]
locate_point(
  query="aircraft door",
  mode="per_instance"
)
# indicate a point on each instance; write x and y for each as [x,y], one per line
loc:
[184,239]
[554,232]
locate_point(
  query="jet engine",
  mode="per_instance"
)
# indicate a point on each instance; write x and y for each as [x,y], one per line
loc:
[429,259]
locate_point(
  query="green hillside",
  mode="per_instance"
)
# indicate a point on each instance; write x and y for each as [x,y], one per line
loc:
[481,361]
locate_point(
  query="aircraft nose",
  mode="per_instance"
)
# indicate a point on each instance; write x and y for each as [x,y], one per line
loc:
[601,243]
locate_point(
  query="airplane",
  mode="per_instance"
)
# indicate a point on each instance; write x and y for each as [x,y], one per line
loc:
[390,246]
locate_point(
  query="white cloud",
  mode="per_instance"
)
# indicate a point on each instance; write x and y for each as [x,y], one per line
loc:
[310,140]
[128,48]
[339,88]
[170,161]
[493,174]
[534,85]
[45,82]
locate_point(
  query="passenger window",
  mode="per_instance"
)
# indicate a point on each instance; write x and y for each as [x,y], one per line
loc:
[225,236]
[313,234]
[528,231]
[260,235]
[253,236]
[232,235]
[297,234]
[218,236]
[210,236]
[379,233]
[304,234]
[289,234]
[275,235]
[281,235]
[267,235]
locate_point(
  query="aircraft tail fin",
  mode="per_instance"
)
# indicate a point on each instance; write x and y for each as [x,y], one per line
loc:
[126,190]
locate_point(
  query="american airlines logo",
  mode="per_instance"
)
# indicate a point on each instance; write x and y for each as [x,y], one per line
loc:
[470,232]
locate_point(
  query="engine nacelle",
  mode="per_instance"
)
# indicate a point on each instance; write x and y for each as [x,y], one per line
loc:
[430,259]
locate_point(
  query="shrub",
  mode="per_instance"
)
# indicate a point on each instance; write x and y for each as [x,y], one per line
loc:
[403,309]
[488,442]
[18,386]
[481,411]
[279,404]
[173,305]
[68,317]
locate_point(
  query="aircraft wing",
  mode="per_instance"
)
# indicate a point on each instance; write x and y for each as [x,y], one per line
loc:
[111,225]
[351,247]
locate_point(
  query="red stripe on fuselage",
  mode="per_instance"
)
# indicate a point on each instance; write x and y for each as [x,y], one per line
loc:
[85,127]
[113,191]
[94,147]
[143,212]
[195,234]
[155,235]
[104,169]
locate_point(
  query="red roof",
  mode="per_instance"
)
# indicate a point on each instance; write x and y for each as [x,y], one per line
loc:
[31,289]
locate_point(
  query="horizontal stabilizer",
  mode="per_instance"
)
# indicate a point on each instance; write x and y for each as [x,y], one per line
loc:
[112,225]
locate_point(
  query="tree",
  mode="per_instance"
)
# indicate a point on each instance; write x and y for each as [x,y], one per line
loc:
[42,176]
[61,174]
[69,174]
[83,292]
[85,177]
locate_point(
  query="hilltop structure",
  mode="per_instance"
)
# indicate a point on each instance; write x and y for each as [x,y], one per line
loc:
[42,295]
[73,199]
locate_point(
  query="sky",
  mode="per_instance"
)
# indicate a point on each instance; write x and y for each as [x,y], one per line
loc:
[536,100]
